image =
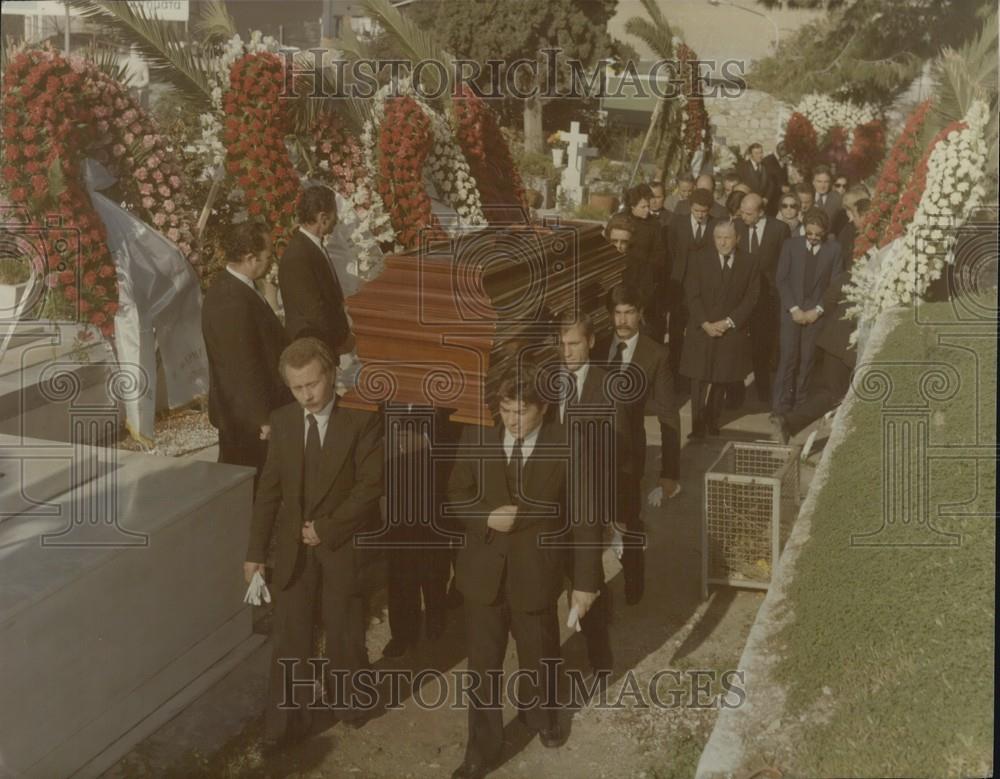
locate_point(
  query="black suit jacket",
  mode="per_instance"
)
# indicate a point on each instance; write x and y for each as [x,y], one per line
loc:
[351,472]
[758,181]
[777,177]
[767,254]
[311,293]
[244,340]
[711,297]
[791,273]
[682,244]
[649,373]
[524,561]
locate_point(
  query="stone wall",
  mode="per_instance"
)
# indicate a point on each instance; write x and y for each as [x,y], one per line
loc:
[753,116]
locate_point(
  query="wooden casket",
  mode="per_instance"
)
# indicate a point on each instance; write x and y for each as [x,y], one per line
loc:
[444,322]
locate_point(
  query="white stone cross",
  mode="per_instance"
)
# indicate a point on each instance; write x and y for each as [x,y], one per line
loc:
[576,162]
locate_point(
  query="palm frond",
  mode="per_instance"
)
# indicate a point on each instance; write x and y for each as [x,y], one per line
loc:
[966,74]
[109,62]
[656,32]
[414,42]
[170,58]
[214,24]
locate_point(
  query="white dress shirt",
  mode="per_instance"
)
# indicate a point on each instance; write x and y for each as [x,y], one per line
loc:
[695,224]
[759,230]
[322,420]
[629,352]
[581,377]
[527,444]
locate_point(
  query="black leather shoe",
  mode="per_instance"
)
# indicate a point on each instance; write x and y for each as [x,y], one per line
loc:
[781,431]
[396,647]
[712,427]
[697,432]
[472,770]
[552,738]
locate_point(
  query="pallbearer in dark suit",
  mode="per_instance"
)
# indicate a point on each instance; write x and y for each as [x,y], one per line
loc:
[777,175]
[586,412]
[310,290]
[762,238]
[645,364]
[689,233]
[319,488]
[244,339]
[508,485]
[722,288]
[418,559]
[806,266]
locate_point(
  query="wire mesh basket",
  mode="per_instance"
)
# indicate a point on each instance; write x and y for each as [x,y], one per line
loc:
[751,501]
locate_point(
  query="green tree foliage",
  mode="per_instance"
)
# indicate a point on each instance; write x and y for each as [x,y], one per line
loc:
[509,30]
[866,50]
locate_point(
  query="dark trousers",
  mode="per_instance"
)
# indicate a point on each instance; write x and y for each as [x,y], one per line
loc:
[798,350]
[243,447]
[706,403]
[594,627]
[764,327]
[634,539]
[536,635]
[414,572]
[832,382]
[334,578]
[670,452]
[675,328]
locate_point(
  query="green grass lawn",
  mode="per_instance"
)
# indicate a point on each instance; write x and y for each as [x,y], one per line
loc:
[900,636]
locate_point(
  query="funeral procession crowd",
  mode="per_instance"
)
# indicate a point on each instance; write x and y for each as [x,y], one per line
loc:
[720,283]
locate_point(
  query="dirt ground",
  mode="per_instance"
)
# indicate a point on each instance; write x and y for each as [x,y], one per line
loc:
[672,629]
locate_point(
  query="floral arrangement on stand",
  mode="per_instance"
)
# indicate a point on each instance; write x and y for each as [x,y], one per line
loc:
[695,123]
[342,156]
[895,173]
[476,129]
[57,112]
[945,187]
[847,136]
[404,141]
[256,124]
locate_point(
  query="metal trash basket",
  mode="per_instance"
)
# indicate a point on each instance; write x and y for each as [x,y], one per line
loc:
[751,501]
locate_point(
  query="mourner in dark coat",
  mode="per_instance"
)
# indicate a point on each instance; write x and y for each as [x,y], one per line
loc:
[762,237]
[644,363]
[721,290]
[244,339]
[689,233]
[319,488]
[310,289]
[508,486]
[805,269]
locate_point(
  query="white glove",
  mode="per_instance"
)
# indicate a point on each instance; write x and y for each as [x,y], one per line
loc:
[257,591]
[655,497]
[573,620]
[618,545]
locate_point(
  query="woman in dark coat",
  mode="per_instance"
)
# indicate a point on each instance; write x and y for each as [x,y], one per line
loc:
[647,258]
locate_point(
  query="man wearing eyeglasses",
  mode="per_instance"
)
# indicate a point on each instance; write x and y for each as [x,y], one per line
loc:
[805,268]
[788,212]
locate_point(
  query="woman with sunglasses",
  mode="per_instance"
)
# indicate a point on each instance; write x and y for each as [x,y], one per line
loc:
[788,211]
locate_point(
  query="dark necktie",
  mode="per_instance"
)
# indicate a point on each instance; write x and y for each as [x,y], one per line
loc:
[754,242]
[699,233]
[570,389]
[310,463]
[514,469]
[617,361]
[822,199]
[727,266]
